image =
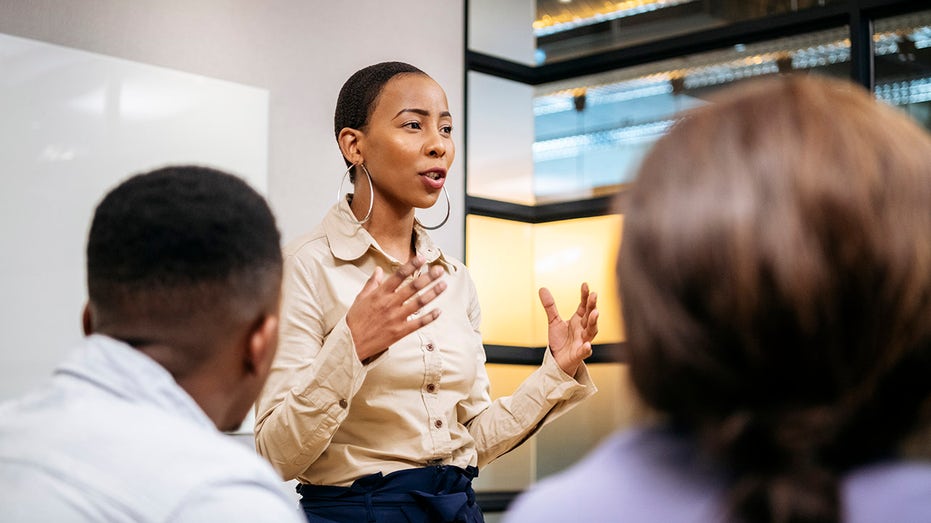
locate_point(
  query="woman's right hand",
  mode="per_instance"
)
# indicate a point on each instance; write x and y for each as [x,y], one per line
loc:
[383,311]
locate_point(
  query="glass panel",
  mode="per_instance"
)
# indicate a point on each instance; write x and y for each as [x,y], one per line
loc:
[903,63]
[571,28]
[572,436]
[500,138]
[557,255]
[503,29]
[568,252]
[591,132]
[505,284]
[568,438]
[516,470]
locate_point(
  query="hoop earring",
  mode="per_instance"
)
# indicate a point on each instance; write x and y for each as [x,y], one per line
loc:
[339,194]
[448,209]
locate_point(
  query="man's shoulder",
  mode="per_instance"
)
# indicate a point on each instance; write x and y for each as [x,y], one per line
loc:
[128,458]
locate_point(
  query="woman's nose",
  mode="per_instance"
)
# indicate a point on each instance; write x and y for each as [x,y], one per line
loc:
[435,147]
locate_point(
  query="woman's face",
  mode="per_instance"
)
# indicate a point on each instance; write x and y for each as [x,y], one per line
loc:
[407,145]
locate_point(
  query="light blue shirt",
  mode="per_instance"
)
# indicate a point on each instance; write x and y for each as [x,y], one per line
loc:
[653,474]
[112,437]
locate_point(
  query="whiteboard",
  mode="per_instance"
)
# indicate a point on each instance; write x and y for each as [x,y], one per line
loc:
[72,125]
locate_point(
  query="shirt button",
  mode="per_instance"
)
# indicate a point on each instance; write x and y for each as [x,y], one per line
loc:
[343,403]
[438,423]
[430,347]
[431,388]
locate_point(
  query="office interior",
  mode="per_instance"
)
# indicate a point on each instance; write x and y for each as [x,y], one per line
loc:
[554,103]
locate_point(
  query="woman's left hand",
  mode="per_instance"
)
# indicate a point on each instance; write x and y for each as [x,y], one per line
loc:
[571,341]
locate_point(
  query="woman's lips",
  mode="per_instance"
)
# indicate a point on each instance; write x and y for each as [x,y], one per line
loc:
[434,178]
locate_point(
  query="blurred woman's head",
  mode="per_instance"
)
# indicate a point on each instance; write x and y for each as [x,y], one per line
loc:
[776,280]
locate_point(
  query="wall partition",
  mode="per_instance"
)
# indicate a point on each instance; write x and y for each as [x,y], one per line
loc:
[563,99]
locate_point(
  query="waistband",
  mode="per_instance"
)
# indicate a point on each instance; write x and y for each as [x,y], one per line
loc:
[446,489]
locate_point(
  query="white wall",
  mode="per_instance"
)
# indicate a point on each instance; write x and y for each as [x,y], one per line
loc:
[299,50]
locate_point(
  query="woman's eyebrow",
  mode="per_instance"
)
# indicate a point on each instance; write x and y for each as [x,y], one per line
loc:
[423,112]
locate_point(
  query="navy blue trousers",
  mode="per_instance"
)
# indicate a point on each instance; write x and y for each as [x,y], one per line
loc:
[425,495]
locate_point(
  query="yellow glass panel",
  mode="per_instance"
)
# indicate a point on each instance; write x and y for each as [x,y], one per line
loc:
[505,378]
[568,438]
[510,261]
[574,434]
[516,470]
[499,256]
[566,253]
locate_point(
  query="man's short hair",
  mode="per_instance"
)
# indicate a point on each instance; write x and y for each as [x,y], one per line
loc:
[181,245]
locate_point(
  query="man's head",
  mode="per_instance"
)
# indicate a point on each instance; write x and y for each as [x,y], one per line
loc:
[184,264]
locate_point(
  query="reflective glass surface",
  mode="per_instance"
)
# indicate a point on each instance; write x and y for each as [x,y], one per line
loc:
[534,32]
[902,46]
[571,28]
[591,132]
[568,438]
[509,261]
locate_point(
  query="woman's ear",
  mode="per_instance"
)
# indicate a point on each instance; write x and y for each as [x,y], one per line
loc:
[349,144]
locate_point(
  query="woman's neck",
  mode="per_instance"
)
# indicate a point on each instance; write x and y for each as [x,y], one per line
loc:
[393,230]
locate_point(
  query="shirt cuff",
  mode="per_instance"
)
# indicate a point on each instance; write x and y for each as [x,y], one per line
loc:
[578,386]
[339,373]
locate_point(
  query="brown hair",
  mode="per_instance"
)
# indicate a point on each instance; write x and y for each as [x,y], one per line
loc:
[776,283]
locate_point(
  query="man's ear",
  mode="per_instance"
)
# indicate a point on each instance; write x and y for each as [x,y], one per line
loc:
[87,320]
[349,140]
[263,341]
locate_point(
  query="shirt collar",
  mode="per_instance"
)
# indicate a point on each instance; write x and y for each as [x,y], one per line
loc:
[125,372]
[349,241]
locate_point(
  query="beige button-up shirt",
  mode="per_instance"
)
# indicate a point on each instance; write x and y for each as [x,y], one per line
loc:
[326,418]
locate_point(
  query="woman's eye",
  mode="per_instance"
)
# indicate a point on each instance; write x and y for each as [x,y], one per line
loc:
[446,129]
[412,125]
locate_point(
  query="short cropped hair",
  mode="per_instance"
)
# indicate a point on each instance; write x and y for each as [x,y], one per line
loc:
[180,243]
[359,93]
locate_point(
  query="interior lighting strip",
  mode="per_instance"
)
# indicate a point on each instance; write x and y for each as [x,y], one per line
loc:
[556,24]
[905,92]
[571,146]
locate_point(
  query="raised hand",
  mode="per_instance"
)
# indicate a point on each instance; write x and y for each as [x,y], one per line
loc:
[382,312]
[571,341]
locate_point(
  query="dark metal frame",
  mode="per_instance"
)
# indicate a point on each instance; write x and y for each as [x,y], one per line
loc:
[515,355]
